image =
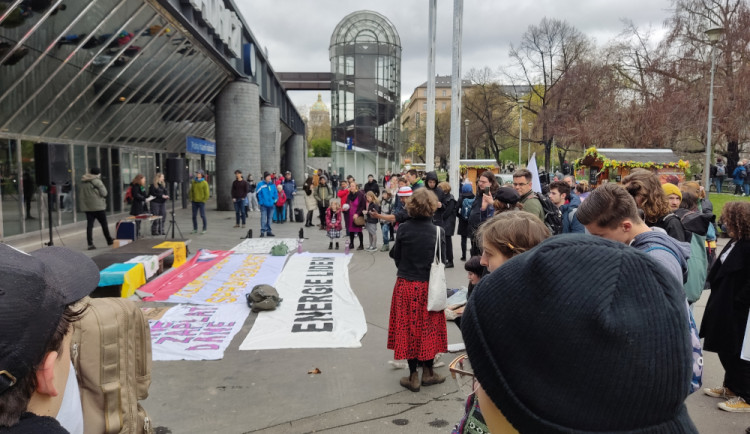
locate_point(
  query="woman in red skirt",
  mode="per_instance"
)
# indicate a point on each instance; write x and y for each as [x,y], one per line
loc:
[414,333]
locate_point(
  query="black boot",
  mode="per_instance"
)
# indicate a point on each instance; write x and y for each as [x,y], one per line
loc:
[337,245]
[330,245]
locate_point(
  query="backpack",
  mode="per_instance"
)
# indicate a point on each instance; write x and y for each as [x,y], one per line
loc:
[721,170]
[263,297]
[279,249]
[466,208]
[552,215]
[129,195]
[111,353]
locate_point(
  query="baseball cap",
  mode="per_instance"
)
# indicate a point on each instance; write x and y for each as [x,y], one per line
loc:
[507,195]
[35,288]
[404,191]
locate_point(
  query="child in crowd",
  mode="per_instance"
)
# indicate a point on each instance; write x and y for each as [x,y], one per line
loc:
[386,207]
[280,204]
[371,223]
[333,222]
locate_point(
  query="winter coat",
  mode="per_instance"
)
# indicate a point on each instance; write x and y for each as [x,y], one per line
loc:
[139,200]
[323,195]
[463,224]
[437,218]
[372,208]
[413,250]
[198,190]
[310,202]
[372,186]
[449,215]
[725,317]
[290,188]
[251,186]
[92,193]
[571,225]
[356,206]
[266,194]
[672,225]
[337,225]
[737,175]
[157,192]
[281,198]
[386,208]
[240,189]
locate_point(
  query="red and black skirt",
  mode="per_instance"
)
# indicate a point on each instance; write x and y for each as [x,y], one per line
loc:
[413,331]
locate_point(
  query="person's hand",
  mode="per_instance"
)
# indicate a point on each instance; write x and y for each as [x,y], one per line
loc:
[164,196]
[355,216]
[234,200]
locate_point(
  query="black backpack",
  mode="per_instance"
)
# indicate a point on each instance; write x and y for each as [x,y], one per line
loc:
[552,215]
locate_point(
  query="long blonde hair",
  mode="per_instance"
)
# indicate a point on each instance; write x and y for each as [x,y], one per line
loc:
[157,178]
[372,198]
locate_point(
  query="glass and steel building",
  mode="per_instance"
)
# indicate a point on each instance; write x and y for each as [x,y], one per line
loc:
[365,55]
[114,84]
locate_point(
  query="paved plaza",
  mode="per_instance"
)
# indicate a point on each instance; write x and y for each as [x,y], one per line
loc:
[270,391]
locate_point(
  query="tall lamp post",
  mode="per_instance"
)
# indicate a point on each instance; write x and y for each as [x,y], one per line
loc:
[520,132]
[714,34]
[466,139]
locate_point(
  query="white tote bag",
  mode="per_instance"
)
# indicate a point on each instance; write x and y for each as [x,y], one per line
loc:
[437,293]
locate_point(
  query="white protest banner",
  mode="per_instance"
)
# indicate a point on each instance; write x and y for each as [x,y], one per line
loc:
[536,185]
[191,332]
[319,309]
[228,281]
[263,245]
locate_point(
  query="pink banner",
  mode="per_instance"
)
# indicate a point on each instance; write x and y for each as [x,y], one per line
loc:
[169,284]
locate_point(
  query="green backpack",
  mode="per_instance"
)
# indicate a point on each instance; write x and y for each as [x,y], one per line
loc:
[280,249]
[697,268]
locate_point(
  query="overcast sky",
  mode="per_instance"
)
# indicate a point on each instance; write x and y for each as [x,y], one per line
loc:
[297,33]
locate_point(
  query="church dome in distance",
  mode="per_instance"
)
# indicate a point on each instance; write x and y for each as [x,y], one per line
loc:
[319,105]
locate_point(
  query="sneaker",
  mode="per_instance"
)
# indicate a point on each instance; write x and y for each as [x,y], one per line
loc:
[449,265]
[92,247]
[194,231]
[385,248]
[735,405]
[270,234]
[203,232]
[243,225]
[360,248]
[262,235]
[719,392]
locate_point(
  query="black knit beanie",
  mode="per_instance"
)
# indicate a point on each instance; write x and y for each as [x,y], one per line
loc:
[582,334]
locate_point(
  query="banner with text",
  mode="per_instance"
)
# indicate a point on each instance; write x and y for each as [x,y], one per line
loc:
[191,332]
[319,309]
[170,283]
[228,281]
[264,245]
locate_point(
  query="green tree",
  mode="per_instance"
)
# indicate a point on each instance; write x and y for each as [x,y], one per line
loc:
[321,147]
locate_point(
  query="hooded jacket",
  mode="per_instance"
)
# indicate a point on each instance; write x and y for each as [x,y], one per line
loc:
[93,193]
[664,249]
[437,217]
[463,224]
[571,224]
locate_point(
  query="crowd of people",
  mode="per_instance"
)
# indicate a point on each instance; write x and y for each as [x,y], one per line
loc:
[648,251]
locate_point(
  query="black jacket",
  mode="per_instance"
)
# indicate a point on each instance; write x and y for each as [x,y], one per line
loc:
[449,215]
[463,225]
[139,200]
[672,224]
[413,250]
[372,186]
[240,189]
[725,318]
[437,218]
[157,193]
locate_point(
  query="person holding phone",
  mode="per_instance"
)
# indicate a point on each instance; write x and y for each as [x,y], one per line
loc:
[481,207]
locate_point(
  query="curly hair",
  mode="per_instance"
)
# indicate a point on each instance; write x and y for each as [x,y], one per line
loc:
[645,185]
[512,232]
[736,218]
[422,203]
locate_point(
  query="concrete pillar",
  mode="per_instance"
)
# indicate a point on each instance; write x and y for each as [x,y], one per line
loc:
[295,157]
[237,138]
[270,138]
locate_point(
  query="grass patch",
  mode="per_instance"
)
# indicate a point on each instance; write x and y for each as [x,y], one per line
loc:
[719,200]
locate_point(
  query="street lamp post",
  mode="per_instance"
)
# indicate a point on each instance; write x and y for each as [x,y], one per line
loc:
[714,35]
[520,132]
[466,139]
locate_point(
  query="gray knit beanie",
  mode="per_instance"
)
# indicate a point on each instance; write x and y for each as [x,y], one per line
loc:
[582,334]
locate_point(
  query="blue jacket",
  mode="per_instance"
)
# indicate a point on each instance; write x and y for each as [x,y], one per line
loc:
[290,188]
[570,224]
[670,253]
[266,193]
[736,174]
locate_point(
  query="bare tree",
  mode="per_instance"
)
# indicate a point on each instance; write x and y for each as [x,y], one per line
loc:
[547,52]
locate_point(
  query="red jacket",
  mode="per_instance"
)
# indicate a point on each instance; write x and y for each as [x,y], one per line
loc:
[282,199]
[342,194]
[329,226]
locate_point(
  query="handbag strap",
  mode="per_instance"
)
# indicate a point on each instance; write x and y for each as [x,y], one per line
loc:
[436,259]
